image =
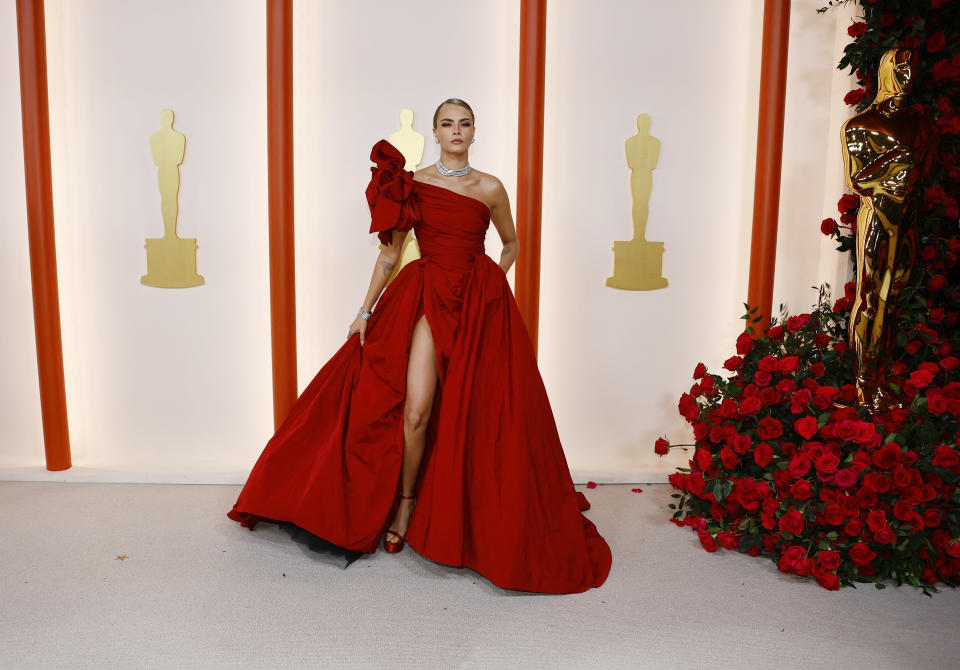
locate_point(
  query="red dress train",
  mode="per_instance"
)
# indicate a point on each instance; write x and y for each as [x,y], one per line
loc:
[494,491]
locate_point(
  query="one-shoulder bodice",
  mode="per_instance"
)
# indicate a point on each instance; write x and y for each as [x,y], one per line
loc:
[450,223]
[447,223]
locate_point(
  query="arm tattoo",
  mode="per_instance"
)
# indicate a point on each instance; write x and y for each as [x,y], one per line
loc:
[386,267]
[506,250]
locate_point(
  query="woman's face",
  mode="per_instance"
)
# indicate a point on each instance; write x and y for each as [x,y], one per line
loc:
[454,128]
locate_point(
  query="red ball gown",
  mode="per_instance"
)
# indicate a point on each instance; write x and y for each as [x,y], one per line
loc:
[494,492]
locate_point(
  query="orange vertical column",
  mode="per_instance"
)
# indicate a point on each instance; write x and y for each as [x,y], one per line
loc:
[31,35]
[533,25]
[766,190]
[283,315]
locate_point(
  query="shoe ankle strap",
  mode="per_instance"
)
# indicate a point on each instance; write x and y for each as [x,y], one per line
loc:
[403,497]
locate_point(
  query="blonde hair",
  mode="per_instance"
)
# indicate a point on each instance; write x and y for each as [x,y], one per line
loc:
[453,101]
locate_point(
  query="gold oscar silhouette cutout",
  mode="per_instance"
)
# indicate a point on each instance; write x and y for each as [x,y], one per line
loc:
[887,149]
[171,260]
[409,143]
[638,263]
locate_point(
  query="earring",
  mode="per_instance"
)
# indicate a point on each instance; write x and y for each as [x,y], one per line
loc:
[437,140]
[473,140]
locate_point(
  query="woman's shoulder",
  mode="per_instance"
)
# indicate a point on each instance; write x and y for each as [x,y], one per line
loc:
[488,184]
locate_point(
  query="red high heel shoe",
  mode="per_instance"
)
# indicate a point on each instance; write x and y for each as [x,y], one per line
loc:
[393,546]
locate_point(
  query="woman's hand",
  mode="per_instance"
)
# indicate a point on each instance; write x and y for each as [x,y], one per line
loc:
[358,326]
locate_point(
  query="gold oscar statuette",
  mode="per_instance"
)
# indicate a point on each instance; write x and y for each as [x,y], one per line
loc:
[887,150]
[409,143]
[171,260]
[638,263]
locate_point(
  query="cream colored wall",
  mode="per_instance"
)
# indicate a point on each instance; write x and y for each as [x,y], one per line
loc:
[21,434]
[615,362]
[162,385]
[174,385]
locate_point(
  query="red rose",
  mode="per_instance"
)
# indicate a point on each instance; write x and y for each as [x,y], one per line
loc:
[661,447]
[856,29]
[885,536]
[729,458]
[932,517]
[741,444]
[728,540]
[801,490]
[829,581]
[703,458]
[749,406]
[903,510]
[733,363]
[938,283]
[727,409]
[769,428]
[821,340]
[876,520]
[708,541]
[775,333]
[744,343]
[699,371]
[921,378]
[799,466]
[833,514]
[828,559]
[950,363]
[854,96]
[763,454]
[854,528]
[795,323]
[696,484]
[806,427]
[791,522]
[788,364]
[936,402]
[845,478]
[945,456]
[861,554]
[888,456]
[827,463]
[848,201]
[901,476]
[936,42]
[828,226]
[803,566]
[876,482]
[689,409]
[817,369]
[887,19]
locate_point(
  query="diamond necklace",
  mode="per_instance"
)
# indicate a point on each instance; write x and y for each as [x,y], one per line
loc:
[447,172]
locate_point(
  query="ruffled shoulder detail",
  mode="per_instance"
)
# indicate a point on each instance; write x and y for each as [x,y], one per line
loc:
[389,193]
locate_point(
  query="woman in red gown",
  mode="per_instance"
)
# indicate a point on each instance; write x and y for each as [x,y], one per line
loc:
[431,426]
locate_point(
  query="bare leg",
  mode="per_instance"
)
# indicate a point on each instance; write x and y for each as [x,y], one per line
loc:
[421,386]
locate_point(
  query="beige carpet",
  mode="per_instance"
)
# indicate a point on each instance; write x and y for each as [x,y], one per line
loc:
[198,591]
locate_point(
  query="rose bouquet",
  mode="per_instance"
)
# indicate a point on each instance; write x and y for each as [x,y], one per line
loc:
[785,463]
